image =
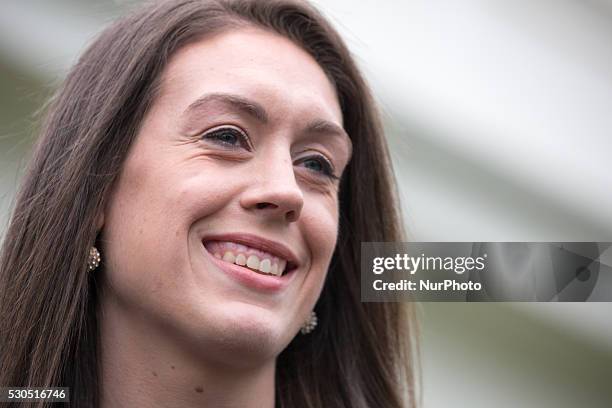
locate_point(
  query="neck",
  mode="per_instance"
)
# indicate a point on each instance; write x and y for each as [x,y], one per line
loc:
[143,365]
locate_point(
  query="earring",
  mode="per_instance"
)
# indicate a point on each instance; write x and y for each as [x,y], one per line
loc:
[310,323]
[94,258]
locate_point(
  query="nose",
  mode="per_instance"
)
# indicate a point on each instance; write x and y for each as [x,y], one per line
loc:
[273,191]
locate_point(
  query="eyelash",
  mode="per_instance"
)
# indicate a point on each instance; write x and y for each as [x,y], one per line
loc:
[241,136]
[214,135]
[327,168]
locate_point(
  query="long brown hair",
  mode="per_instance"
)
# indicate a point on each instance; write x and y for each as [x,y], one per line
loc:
[361,355]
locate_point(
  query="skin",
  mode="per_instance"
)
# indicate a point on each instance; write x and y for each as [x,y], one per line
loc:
[175,329]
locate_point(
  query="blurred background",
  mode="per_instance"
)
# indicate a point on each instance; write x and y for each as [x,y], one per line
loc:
[499,123]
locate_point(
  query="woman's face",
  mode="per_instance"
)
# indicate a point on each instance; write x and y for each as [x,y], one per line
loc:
[236,163]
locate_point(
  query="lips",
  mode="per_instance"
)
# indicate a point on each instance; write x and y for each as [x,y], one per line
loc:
[249,257]
[252,260]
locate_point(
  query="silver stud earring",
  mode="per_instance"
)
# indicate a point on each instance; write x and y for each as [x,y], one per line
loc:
[310,324]
[94,258]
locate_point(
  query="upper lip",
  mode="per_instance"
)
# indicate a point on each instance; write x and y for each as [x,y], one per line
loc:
[273,247]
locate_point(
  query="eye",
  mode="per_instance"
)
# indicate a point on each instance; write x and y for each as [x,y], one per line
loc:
[228,136]
[319,164]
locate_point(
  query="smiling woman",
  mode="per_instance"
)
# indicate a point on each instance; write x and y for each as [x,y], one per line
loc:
[225,161]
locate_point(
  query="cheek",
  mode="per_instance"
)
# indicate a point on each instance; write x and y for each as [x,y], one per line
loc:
[321,229]
[137,237]
[148,220]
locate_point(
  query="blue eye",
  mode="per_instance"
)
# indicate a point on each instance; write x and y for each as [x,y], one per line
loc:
[227,136]
[319,164]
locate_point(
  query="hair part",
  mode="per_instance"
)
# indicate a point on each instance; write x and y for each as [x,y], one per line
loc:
[362,354]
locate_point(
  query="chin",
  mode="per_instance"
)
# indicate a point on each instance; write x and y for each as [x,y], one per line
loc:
[243,334]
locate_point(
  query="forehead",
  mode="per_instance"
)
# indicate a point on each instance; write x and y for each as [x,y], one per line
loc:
[257,64]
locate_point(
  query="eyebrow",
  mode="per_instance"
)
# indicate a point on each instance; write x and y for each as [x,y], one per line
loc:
[236,102]
[257,111]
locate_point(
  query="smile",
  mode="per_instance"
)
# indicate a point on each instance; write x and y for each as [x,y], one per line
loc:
[258,263]
[249,257]
[252,253]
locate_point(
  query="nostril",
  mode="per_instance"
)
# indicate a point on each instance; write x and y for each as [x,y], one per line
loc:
[291,216]
[261,206]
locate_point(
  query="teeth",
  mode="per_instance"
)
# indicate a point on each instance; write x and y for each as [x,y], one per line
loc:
[229,257]
[266,265]
[253,262]
[240,260]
